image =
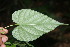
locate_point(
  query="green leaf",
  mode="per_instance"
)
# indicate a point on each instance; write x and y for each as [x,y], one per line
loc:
[7,46]
[32,24]
[13,46]
[7,43]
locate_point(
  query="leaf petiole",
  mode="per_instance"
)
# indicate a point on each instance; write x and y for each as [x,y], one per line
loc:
[10,26]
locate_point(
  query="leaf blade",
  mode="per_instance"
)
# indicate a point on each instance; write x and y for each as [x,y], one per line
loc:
[33,22]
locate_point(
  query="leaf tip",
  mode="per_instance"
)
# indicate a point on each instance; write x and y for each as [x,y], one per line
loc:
[64,24]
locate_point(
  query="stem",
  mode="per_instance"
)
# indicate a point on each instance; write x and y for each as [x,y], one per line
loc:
[29,44]
[10,26]
[16,24]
